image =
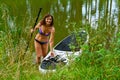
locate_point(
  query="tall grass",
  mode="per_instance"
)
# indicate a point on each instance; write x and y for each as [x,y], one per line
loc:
[100,59]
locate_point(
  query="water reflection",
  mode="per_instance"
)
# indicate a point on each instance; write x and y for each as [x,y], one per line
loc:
[89,10]
[94,12]
[99,9]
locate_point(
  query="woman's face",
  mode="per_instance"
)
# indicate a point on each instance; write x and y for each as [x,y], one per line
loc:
[48,20]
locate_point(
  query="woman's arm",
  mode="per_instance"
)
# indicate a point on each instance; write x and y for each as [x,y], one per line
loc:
[36,27]
[51,41]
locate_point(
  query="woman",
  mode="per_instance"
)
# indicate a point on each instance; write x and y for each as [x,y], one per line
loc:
[44,37]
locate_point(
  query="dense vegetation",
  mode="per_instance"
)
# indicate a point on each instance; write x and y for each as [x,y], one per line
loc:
[100,59]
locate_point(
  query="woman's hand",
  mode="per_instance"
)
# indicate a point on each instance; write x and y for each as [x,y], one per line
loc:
[32,30]
[52,54]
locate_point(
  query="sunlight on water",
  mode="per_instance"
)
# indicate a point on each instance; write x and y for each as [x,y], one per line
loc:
[68,7]
[93,13]
[11,22]
[28,12]
[60,6]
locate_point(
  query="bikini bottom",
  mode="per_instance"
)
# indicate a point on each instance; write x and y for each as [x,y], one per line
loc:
[40,42]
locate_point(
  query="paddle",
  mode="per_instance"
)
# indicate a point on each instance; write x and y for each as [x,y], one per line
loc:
[32,32]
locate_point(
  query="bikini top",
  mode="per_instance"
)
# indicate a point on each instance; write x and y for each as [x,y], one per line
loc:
[42,33]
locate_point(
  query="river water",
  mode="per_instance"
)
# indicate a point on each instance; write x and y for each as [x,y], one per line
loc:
[24,12]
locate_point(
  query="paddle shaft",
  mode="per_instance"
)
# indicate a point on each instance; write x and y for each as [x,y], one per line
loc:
[32,32]
[36,20]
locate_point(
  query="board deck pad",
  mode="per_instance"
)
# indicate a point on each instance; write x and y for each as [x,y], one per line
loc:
[51,62]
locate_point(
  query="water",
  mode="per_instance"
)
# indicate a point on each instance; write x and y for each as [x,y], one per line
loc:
[23,13]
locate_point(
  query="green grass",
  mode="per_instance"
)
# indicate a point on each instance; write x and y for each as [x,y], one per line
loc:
[96,62]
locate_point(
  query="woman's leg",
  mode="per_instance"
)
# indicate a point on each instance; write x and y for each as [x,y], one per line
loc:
[44,49]
[38,50]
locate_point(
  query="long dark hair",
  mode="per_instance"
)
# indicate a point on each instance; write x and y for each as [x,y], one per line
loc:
[43,20]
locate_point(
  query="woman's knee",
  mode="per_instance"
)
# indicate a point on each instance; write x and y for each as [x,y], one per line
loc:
[44,53]
[39,55]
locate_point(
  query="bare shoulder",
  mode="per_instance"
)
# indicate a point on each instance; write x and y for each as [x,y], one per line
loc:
[53,29]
